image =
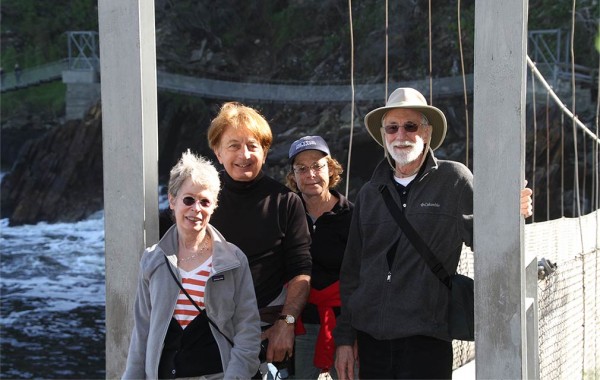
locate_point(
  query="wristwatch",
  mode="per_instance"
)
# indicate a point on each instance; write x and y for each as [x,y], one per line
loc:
[289,319]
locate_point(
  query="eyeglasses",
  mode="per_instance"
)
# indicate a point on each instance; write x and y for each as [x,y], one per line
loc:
[316,167]
[409,126]
[190,201]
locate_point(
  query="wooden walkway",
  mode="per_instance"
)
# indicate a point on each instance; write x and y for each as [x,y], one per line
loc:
[297,93]
[253,91]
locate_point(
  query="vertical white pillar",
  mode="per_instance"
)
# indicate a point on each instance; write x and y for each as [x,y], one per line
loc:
[130,156]
[501,297]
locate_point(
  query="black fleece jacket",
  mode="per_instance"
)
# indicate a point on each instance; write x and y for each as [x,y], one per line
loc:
[329,234]
[406,299]
[266,220]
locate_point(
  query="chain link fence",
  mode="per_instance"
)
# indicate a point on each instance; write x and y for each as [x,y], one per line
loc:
[568,298]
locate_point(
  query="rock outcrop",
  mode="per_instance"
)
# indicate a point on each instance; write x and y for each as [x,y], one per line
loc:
[58,176]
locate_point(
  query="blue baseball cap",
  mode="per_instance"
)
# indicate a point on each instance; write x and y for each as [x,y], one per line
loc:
[307,143]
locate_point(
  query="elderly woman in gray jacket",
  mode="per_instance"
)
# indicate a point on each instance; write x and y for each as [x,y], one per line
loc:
[195,309]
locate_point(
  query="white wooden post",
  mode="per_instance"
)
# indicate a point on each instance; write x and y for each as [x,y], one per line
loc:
[130,156]
[505,303]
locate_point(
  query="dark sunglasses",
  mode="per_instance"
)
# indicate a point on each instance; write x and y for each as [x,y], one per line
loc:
[409,126]
[190,201]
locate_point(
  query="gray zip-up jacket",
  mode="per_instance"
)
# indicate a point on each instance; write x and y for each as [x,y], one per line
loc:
[407,299]
[229,299]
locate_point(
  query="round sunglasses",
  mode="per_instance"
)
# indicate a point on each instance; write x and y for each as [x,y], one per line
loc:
[190,201]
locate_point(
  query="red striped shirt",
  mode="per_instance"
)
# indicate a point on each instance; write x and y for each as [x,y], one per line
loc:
[194,282]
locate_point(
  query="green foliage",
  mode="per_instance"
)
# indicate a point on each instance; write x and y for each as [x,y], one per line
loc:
[552,14]
[33,32]
[46,99]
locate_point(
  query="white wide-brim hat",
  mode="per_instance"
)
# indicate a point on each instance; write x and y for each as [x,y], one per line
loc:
[408,98]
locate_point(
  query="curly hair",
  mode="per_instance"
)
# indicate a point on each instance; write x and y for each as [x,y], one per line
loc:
[335,174]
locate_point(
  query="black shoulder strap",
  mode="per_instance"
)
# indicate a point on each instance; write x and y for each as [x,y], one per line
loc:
[194,302]
[434,264]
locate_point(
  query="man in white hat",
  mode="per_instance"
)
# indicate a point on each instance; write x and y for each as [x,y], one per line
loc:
[394,315]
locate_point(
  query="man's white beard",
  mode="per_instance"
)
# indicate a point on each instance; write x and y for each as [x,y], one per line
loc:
[406,157]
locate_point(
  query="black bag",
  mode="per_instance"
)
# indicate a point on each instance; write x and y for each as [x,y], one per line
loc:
[461,319]
[194,302]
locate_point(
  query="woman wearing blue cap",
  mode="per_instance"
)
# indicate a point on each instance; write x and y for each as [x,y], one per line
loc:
[314,173]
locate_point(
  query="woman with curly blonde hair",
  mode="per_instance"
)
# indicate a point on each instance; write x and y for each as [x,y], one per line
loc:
[313,174]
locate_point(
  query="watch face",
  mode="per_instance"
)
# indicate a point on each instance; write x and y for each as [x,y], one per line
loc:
[289,319]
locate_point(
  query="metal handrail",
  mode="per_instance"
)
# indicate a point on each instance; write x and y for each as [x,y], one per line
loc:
[33,76]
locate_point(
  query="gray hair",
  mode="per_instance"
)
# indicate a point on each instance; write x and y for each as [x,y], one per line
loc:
[199,169]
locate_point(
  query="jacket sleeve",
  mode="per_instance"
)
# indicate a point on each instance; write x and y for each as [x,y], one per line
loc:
[296,244]
[136,358]
[243,363]
[466,209]
[349,279]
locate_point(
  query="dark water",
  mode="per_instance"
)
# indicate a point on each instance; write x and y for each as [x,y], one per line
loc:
[52,301]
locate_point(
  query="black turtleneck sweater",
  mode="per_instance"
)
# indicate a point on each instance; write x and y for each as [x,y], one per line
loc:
[267,221]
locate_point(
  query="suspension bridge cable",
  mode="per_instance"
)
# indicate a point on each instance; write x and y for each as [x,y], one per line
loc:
[387,29]
[577,175]
[430,60]
[534,158]
[352,101]
[576,171]
[462,66]
[573,103]
[562,164]
[547,156]
[560,103]
[596,172]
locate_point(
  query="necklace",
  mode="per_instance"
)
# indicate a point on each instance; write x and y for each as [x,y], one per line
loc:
[203,248]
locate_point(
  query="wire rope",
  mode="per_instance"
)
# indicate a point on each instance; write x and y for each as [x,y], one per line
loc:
[596,170]
[558,102]
[562,164]
[547,156]
[576,174]
[352,101]
[573,102]
[430,59]
[387,29]
[464,80]
[534,158]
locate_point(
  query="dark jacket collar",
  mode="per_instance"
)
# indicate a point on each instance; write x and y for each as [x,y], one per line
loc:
[240,186]
[383,171]
[342,203]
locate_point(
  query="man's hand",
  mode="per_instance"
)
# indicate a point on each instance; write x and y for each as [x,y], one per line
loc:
[345,358]
[281,341]
[526,202]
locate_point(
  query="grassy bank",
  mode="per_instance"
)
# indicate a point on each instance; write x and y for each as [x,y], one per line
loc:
[46,99]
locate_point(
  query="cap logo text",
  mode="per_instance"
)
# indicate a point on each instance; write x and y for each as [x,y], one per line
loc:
[305,143]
